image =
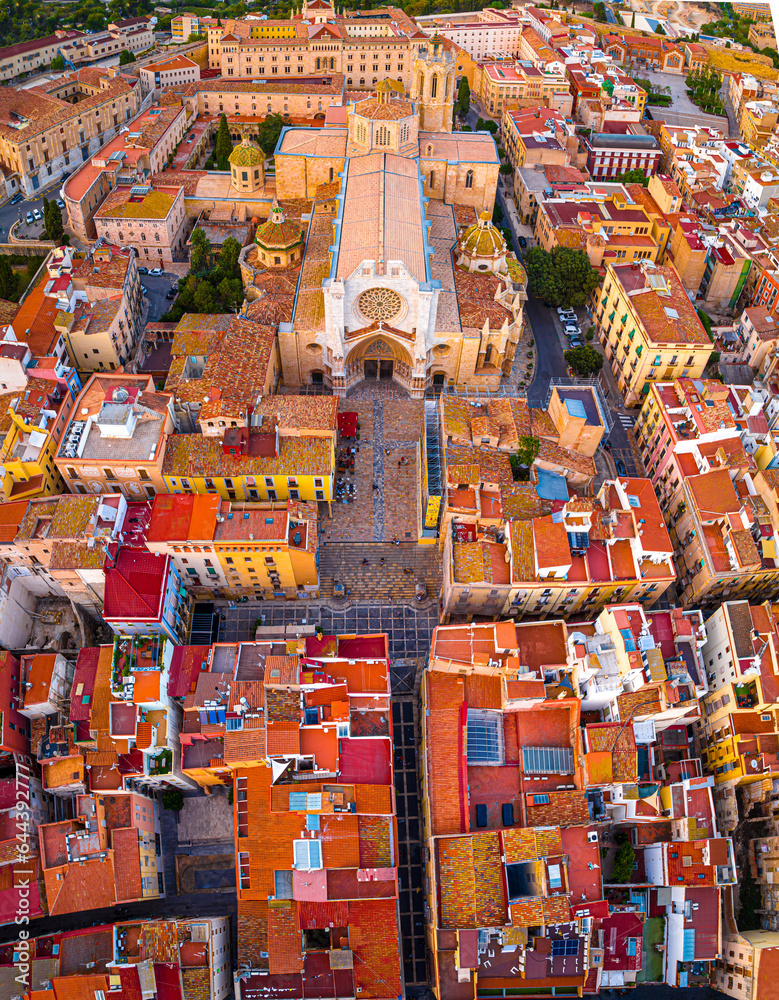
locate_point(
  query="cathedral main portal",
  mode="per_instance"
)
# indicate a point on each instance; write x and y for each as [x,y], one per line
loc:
[378,369]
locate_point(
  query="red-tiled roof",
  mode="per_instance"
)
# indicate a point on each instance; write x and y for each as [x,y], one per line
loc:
[445,695]
[185,666]
[127,863]
[135,585]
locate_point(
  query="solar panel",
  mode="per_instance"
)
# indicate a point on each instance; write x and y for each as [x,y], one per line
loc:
[546,760]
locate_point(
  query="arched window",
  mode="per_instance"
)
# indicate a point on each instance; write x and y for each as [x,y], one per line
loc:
[332,64]
[318,63]
[489,355]
[469,179]
[382,136]
[331,173]
[421,84]
[429,149]
[434,86]
[432,178]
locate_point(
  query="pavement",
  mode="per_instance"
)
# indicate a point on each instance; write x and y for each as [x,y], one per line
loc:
[550,361]
[681,111]
[157,287]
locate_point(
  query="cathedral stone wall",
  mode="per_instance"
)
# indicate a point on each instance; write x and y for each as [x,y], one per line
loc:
[300,176]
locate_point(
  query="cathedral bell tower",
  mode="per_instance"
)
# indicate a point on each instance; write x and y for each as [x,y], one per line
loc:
[433,86]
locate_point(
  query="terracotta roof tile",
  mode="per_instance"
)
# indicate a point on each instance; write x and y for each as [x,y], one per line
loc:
[457,883]
[285,949]
[446,695]
[374,841]
[127,864]
[373,934]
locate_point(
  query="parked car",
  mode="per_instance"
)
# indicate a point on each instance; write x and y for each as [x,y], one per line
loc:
[171,293]
[522,241]
[29,219]
[143,270]
[37,214]
[60,203]
[622,471]
[572,330]
[576,342]
[17,198]
[156,270]
[565,311]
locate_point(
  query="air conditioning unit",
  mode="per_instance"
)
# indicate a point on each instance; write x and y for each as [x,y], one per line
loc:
[592,837]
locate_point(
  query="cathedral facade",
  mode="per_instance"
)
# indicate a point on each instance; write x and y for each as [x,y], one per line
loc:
[404,277]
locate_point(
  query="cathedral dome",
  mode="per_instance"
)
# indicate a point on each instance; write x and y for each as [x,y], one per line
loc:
[278,231]
[482,239]
[246,154]
[482,247]
[381,109]
[279,241]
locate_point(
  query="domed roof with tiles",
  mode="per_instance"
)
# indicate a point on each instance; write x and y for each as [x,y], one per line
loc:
[482,239]
[247,154]
[278,232]
[378,109]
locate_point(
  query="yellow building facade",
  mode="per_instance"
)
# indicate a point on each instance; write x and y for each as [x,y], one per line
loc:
[648,327]
[30,440]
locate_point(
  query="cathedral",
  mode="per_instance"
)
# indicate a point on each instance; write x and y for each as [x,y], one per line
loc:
[403,276]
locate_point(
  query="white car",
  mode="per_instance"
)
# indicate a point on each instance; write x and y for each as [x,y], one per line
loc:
[565,311]
[156,270]
[37,215]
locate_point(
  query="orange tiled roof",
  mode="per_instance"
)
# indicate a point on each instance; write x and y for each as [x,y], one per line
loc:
[446,694]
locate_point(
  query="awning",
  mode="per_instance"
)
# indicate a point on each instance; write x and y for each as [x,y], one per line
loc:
[347,424]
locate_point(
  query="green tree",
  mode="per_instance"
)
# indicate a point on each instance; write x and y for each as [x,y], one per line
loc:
[126,57]
[8,279]
[200,255]
[205,298]
[52,219]
[173,799]
[95,21]
[485,126]
[706,321]
[224,144]
[623,864]
[659,30]
[562,277]
[464,96]
[584,361]
[600,12]
[58,63]
[528,449]
[230,291]
[269,131]
[635,176]
[228,257]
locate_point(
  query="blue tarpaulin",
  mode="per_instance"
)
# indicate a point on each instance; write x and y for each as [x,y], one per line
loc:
[551,485]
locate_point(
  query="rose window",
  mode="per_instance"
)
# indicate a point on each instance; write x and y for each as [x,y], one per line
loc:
[380,304]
